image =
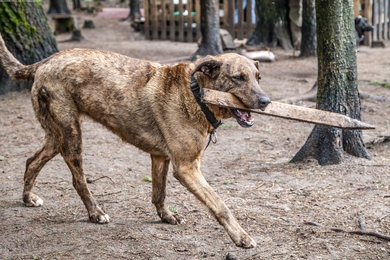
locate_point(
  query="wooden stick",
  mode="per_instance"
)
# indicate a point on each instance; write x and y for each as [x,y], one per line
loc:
[287,111]
[356,232]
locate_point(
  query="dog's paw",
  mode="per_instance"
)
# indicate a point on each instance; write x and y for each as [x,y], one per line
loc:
[172,219]
[32,200]
[99,217]
[246,242]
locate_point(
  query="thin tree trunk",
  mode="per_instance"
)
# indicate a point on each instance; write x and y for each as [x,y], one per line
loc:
[134,10]
[337,84]
[272,26]
[309,38]
[58,7]
[76,5]
[29,41]
[209,27]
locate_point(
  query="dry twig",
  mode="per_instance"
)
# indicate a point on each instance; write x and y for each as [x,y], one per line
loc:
[356,232]
[90,180]
[362,223]
[258,186]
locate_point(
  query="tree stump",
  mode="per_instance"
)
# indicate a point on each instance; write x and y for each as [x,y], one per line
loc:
[63,23]
[88,24]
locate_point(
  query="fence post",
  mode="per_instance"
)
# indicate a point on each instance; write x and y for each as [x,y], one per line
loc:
[163,20]
[368,14]
[249,25]
[147,19]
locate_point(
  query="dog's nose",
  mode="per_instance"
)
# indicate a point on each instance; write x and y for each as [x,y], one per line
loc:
[263,102]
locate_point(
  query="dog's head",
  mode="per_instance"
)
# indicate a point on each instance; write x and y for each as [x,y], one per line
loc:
[362,25]
[236,75]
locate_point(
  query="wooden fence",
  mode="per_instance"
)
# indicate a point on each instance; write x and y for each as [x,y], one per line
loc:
[377,13]
[179,20]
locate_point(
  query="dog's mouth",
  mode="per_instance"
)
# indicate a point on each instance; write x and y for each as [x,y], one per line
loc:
[243,117]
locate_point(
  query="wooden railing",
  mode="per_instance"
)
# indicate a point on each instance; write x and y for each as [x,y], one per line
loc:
[179,20]
[377,13]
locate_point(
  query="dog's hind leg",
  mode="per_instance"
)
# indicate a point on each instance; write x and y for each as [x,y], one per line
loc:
[33,166]
[70,148]
[59,117]
[160,166]
[189,175]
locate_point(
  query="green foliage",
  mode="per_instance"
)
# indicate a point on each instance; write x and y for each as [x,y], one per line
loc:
[379,83]
[147,179]
[172,209]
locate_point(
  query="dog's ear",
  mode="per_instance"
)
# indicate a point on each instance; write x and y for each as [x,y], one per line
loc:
[257,64]
[209,66]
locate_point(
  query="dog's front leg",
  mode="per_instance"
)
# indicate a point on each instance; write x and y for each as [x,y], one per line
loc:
[190,176]
[160,165]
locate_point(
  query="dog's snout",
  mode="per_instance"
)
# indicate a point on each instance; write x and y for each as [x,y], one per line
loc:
[263,102]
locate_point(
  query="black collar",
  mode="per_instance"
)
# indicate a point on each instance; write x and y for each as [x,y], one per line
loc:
[206,111]
[209,115]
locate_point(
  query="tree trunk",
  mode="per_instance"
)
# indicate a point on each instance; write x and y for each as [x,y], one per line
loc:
[337,84]
[309,38]
[58,7]
[272,27]
[209,27]
[27,35]
[76,5]
[135,12]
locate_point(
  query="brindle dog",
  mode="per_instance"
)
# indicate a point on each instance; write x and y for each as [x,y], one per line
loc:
[148,105]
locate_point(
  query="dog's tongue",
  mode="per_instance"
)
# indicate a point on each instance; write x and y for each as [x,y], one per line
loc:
[245,116]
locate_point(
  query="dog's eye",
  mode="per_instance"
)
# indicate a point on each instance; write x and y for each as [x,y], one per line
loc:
[238,78]
[259,77]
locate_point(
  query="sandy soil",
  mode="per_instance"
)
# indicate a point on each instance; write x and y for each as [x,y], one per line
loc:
[249,169]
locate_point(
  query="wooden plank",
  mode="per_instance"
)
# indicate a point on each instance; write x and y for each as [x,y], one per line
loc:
[380,19]
[181,21]
[230,18]
[386,20]
[249,26]
[163,35]
[197,20]
[225,15]
[147,19]
[240,20]
[356,5]
[368,14]
[189,21]
[286,111]
[154,15]
[375,20]
[171,15]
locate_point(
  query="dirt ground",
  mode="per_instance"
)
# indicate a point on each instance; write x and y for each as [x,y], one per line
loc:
[249,168]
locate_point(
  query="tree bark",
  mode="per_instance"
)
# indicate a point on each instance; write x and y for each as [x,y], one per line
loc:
[209,27]
[58,7]
[309,38]
[337,85]
[272,27]
[76,5]
[135,12]
[27,35]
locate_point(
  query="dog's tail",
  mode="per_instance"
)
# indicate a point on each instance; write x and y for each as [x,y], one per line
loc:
[15,69]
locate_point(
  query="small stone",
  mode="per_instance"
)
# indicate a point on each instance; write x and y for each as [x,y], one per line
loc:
[231,256]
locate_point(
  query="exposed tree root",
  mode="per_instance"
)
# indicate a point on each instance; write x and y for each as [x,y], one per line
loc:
[379,140]
[362,225]
[311,95]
